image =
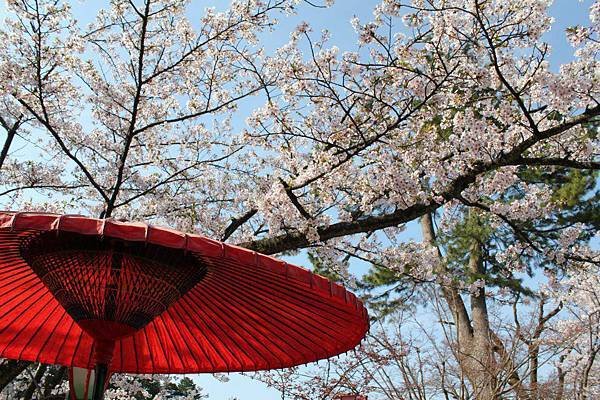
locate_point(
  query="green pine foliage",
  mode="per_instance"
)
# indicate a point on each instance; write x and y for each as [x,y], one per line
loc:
[575,200]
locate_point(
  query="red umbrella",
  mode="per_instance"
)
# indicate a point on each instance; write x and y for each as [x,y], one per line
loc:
[130,297]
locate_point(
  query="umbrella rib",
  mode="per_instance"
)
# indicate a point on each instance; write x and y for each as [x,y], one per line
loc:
[344,317]
[281,281]
[301,318]
[121,353]
[168,335]
[17,263]
[299,300]
[77,347]
[89,364]
[150,351]
[169,312]
[250,327]
[157,336]
[243,344]
[267,317]
[189,318]
[16,297]
[38,329]
[33,279]
[247,347]
[297,325]
[199,313]
[18,332]
[51,334]
[63,341]
[137,364]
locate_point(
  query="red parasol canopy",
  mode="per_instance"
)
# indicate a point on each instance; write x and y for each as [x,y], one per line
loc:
[77,291]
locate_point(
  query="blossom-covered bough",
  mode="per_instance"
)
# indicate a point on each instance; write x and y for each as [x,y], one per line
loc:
[448,111]
[445,114]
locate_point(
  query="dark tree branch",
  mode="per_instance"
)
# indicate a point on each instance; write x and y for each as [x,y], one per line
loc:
[294,199]
[296,240]
[236,223]
[11,132]
[35,383]
[54,380]
[40,187]
[110,204]
[558,162]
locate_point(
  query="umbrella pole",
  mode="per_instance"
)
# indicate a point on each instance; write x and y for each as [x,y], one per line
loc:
[103,353]
[101,373]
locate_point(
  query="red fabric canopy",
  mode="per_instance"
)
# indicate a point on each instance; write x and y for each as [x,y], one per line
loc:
[216,308]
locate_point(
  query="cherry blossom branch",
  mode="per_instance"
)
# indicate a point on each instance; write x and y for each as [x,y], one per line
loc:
[351,152]
[521,233]
[64,148]
[206,111]
[372,223]
[110,204]
[11,131]
[198,46]
[172,177]
[41,187]
[495,62]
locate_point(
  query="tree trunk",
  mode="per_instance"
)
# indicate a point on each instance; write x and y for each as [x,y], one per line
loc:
[561,378]
[583,386]
[481,363]
[476,345]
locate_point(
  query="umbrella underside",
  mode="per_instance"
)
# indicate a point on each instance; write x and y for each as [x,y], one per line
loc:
[99,278]
[173,303]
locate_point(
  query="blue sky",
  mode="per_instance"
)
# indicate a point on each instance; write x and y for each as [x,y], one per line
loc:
[336,20]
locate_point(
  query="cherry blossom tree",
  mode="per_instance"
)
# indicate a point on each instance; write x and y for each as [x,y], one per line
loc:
[580,334]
